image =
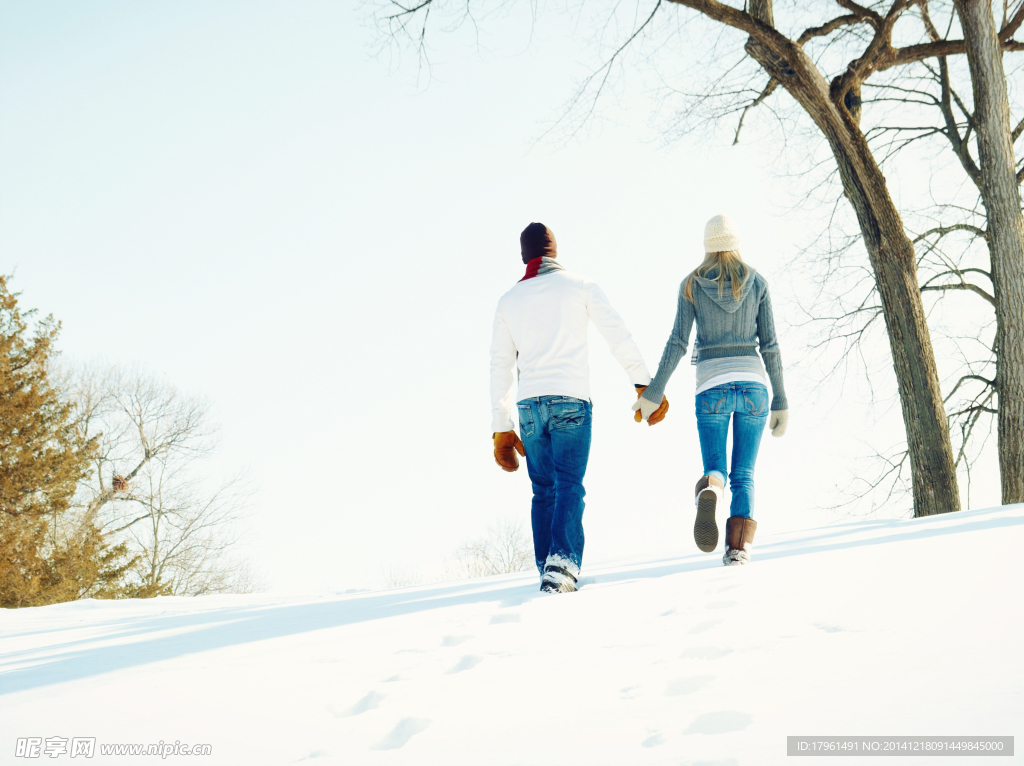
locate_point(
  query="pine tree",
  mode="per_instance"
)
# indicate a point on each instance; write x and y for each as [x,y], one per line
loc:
[42,460]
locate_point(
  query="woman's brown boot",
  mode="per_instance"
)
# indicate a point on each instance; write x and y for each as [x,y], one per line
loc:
[739,539]
[708,493]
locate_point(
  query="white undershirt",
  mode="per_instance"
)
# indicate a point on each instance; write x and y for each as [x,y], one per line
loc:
[729,369]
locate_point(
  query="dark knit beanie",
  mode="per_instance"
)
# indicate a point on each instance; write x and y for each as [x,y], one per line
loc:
[537,240]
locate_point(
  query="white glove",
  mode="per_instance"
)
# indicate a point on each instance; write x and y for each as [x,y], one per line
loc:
[647,408]
[778,421]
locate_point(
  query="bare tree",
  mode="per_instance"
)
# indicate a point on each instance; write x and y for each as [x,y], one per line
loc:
[504,549]
[148,488]
[999,187]
[963,246]
[834,107]
[185,534]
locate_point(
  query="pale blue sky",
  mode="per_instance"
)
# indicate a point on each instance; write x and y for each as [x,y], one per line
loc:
[240,197]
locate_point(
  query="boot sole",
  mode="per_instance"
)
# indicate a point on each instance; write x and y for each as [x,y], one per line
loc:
[549,587]
[705,527]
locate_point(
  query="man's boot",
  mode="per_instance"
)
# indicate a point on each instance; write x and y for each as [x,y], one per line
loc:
[707,495]
[560,575]
[739,540]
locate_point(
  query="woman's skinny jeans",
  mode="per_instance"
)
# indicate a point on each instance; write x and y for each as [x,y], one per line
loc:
[746,404]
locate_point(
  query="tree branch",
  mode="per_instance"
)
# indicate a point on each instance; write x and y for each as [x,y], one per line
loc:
[766,34]
[768,90]
[912,53]
[960,146]
[828,28]
[808,34]
[963,286]
[965,378]
[944,230]
[129,524]
[870,16]
[880,48]
[1017,131]
[1012,25]
[606,68]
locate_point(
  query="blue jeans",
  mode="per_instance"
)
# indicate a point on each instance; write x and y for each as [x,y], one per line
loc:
[556,434]
[746,403]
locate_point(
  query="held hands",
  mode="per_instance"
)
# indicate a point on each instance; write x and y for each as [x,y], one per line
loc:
[506,445]
[647,410]
[778,421]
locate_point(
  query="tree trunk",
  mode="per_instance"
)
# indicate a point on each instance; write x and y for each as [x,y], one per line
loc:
[933,469]
[1001,196]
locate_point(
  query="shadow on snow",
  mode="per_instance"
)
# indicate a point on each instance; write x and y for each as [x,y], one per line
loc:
[228,626]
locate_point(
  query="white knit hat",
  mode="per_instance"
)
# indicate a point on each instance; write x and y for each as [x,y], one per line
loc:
[720,233]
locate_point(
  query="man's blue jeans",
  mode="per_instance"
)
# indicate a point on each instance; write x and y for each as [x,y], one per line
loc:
[746,403]
[556,434]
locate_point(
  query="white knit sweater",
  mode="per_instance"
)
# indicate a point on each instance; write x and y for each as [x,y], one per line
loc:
[541,327]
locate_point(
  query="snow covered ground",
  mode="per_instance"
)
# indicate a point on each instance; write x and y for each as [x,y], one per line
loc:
[909,627]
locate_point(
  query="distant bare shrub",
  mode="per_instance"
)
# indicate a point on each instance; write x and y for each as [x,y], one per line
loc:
[505,548]
[398,577]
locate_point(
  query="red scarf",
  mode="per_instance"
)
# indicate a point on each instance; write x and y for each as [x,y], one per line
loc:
[540,266]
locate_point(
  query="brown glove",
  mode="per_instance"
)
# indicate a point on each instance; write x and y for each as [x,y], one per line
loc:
[506,445]
[655,417]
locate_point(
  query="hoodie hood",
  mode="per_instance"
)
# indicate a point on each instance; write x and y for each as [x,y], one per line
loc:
[726,302]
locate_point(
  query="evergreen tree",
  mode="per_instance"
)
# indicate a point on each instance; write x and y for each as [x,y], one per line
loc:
[44,559]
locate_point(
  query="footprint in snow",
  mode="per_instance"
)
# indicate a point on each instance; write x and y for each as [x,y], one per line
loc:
[369,702]
[721,589]
[454,640]
[720,604]
[704,653]
[629,692]
[669,613]
[404,730]
[314,754]
[701,627]
[829,628]
[468,662]
[654,740]
[686,685]
[512,601]
[396,677]
[500,618]
[721,722]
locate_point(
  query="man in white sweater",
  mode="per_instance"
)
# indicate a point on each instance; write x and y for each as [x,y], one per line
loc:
[540,328]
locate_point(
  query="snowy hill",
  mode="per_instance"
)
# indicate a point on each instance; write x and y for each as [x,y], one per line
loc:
[909,627]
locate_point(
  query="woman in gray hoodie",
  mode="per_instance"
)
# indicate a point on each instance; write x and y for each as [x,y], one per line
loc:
[733,310]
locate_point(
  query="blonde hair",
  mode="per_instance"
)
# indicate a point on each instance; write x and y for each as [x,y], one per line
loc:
[729,264]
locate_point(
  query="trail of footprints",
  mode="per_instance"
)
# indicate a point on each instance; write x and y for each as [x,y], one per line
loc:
[717,722]
[406,728]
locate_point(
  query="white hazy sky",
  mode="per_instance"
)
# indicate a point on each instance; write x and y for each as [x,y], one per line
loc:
[239,196]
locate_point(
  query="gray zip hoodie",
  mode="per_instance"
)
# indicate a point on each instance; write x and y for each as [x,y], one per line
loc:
[725,327]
